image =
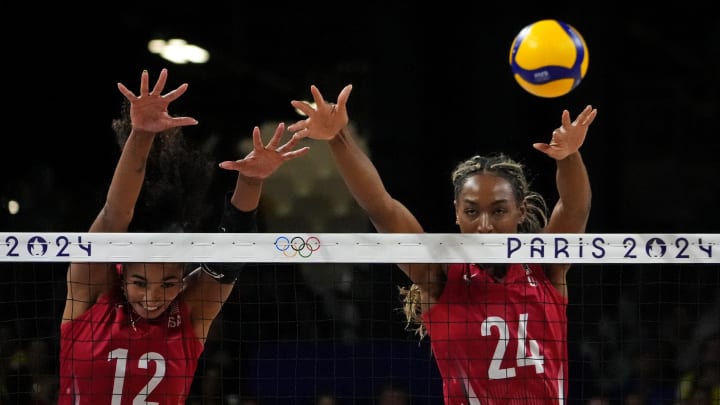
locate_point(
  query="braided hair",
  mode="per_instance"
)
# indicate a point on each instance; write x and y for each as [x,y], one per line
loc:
[535,220]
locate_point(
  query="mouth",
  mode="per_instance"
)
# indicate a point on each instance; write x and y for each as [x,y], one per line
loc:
[149,310]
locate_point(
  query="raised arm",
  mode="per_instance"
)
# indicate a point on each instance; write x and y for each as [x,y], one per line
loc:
[149,116]
[209,289]
[571,212]
[328,121]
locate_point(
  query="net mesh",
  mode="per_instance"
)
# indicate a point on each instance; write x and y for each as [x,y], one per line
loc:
[302,329]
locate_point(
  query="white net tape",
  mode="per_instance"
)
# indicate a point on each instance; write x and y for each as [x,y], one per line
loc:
[359,248]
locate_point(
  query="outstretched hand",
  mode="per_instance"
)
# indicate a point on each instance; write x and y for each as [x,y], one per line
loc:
[262,161]
[568,138]
[149,110]
[325,120]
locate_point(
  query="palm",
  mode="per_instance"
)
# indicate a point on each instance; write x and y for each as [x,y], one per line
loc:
[150,114]
[259,164]
[149,110]
[263,161]
[324,121]
[569,137]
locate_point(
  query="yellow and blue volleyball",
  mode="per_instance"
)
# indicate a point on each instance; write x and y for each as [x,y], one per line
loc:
[549,58]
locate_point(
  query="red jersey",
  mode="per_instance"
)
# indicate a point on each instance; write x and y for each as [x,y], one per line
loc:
[107,359]
[500,342]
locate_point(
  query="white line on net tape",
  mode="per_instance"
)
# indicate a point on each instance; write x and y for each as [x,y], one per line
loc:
[359,247]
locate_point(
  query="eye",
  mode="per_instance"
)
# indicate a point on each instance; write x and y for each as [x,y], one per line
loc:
[139,283]
[470,212]
[500,211]
[169,284]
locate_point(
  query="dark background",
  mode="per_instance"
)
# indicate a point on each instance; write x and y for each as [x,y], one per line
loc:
[432,86]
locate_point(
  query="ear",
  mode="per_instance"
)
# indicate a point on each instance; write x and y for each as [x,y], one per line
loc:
[523,212]
[457,219]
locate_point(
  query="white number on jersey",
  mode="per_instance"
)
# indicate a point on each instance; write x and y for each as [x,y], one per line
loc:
[120,366]
[524,345]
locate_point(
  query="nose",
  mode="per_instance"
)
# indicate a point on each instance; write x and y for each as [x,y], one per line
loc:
[155,294]
[484,224]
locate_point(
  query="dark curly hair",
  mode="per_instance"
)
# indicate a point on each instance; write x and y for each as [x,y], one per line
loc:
[177,179]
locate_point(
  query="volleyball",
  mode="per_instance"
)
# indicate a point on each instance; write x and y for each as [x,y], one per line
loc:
[549,58]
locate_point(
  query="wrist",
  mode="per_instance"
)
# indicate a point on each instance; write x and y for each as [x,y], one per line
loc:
[250,181]
[142,132]
[570,157]
[341,134]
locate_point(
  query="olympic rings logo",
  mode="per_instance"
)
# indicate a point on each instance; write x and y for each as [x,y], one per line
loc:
[297,246]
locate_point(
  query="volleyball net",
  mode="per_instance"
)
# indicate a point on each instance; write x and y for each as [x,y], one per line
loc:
[319,315]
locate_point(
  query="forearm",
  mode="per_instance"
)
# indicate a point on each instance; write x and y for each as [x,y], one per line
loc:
[246,196]
[573,185]
[357,170]
[126,182]
[234,220]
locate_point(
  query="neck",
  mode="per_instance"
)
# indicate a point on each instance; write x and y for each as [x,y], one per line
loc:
[132,315]
[497,271]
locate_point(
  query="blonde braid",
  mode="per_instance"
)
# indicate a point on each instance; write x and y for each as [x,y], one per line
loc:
[412,298]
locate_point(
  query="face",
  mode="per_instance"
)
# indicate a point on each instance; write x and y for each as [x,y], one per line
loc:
[151,287]
[486,204]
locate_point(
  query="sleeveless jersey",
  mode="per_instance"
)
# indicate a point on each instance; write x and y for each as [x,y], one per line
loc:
[105,359]
[500,342]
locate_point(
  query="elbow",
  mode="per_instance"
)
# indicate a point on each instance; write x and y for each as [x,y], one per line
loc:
[113,220]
